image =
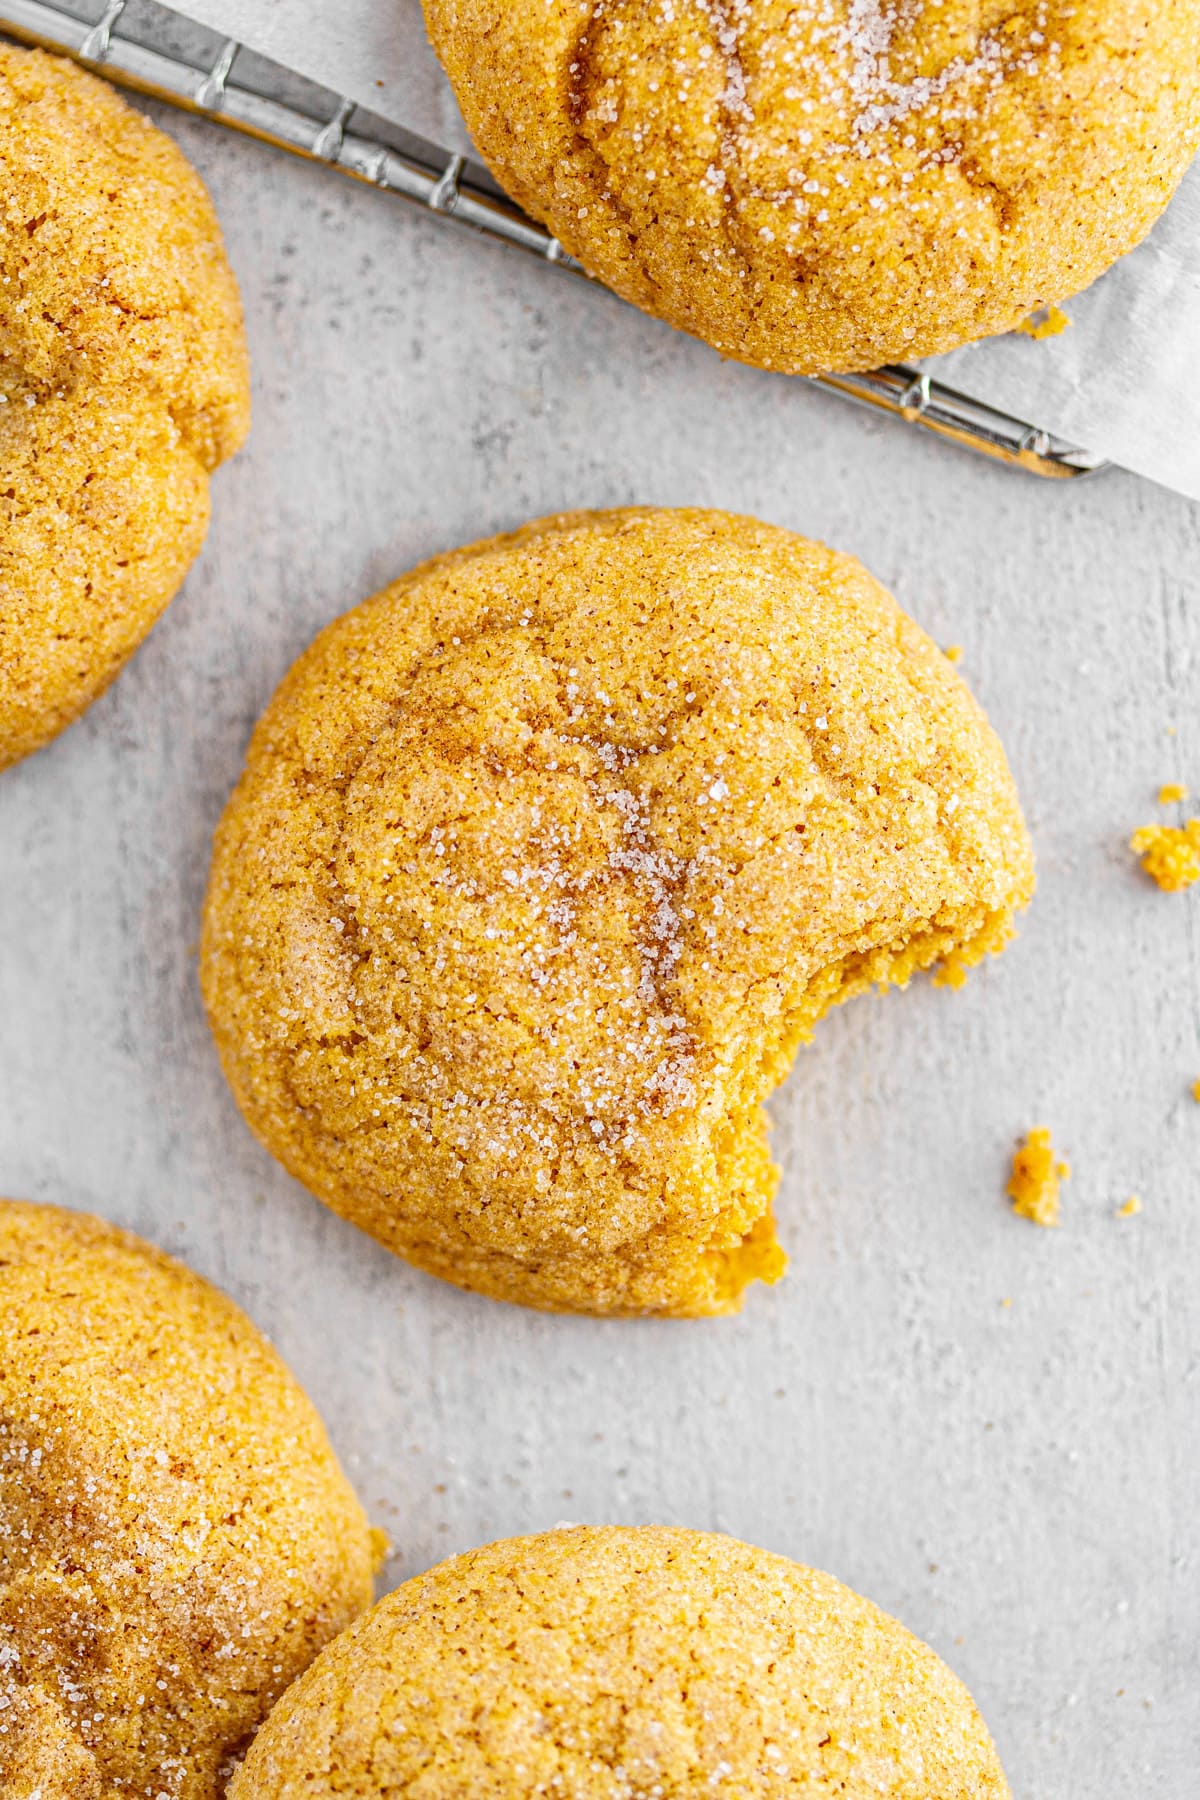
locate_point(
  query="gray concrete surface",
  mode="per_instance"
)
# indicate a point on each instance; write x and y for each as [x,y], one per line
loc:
[1020,1484]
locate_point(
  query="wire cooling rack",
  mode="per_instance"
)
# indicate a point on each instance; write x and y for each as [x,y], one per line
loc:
[160,52]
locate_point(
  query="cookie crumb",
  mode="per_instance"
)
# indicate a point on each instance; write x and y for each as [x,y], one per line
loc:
[953,653]
[1036,1175]
[1171,791]
[1046,322]
[1169,854]
[1131,1208]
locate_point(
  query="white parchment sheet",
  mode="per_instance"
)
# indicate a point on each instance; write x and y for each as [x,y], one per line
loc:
[1123,380]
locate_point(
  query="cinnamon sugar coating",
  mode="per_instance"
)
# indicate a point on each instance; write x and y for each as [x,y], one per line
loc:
[177,1540]
[833,184]
[544,862]
[635,1664]
[123,384]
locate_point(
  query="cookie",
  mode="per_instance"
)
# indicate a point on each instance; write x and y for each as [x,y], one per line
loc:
[816,187]
[177,1540]
[123,384]
[612,1663]
[546,859]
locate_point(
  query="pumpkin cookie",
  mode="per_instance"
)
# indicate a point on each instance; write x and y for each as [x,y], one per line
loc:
[177,1540]
[606,1663]
[833,186]
[123,383]
[547,858]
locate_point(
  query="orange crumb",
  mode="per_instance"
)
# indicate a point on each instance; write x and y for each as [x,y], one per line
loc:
[953,653]
[1131,1208]
[1171,790]
[1046,322]
[1034,1182]
[1170,854]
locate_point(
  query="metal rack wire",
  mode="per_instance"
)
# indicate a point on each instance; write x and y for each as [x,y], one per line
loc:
[160,52]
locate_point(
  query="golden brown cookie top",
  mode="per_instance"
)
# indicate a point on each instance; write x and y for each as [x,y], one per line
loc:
[546,858]
[836,183]
[177,1539]
[618,1664]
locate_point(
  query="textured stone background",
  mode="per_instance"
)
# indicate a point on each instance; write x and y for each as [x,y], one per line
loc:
[1021,1485]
